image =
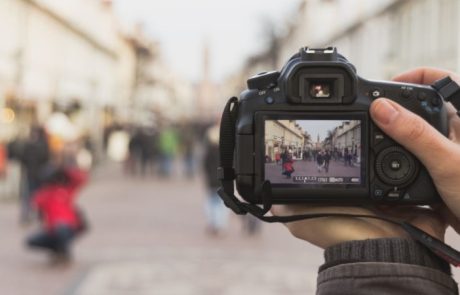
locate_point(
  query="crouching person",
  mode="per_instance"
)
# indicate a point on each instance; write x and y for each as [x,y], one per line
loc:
[62,222]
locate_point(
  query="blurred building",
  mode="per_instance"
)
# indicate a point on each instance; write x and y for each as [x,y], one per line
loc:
[74,56]
[347,136]
[262,62]
[208,99]
[283,135]
[52,57]
[170,96]
[158,93]
[380,37]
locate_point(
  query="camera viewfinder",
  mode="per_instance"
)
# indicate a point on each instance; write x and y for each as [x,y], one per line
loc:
[320,89]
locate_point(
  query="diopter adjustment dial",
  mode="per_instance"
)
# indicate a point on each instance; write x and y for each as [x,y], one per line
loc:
[395,166]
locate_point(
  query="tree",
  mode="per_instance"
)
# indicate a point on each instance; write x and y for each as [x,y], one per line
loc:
[328,141]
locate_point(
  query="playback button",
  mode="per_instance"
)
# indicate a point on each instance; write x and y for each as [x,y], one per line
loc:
[378,193]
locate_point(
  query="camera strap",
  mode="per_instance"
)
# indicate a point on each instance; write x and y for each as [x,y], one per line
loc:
[226,175]
[449,90]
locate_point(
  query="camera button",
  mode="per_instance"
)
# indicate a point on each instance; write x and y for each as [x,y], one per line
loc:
[436,101]
[376,93]
[378,137]
[406,93]
[378,193]
[394,195]
[395,165]
[421,96]
[269,100]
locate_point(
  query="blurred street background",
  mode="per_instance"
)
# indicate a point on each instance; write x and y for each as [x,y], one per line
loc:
[128,92]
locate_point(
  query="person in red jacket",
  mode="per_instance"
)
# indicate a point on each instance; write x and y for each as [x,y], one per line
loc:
[288,166]
[62,221]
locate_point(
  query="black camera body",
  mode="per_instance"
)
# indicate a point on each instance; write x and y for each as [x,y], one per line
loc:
[307,130]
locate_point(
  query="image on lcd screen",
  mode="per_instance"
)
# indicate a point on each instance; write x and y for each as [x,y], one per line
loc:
[311,152]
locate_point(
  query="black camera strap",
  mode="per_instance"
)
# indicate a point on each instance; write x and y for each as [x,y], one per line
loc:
[450,91]
[226,174]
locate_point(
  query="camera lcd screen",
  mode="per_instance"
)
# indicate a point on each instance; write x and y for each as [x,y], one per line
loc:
[312,152]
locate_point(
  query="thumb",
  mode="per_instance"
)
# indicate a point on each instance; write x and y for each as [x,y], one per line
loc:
[415,134]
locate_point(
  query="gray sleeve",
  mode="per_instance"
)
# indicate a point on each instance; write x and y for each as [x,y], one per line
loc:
[383,266]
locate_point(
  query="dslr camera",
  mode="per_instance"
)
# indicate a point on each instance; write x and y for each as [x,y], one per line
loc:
[306,132]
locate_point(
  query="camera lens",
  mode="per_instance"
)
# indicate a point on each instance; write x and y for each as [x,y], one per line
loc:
[395,166]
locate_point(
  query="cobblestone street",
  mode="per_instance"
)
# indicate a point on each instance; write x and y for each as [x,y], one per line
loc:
[148,237]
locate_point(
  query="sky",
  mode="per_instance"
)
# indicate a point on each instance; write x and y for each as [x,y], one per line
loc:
[233,29]
[315,127]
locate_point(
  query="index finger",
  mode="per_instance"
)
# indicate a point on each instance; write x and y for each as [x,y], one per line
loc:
[424,75]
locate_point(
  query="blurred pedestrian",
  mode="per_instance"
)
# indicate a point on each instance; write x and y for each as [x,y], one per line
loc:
[284,157]
[188,151]
[148,150]
[85,153]
[304,155]
[34,157]
[168,147]
[61,220]
[277,157]
[347,157]
[288,166]
[251,225]
[215,208]
[320,161]
[135,152]
[268,159]
[327,159]
[3,160]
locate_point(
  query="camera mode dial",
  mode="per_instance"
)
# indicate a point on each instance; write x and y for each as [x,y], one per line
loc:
[395,166]
[264,80]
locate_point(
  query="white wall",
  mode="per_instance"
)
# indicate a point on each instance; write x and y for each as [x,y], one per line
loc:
[381,42]
[63,50]
[318,21]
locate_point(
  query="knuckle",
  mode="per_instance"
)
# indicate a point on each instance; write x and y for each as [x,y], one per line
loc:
[417,129]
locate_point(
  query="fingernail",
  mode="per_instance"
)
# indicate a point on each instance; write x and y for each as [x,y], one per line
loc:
[384,112]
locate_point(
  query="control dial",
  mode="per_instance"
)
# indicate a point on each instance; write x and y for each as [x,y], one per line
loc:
[395,166]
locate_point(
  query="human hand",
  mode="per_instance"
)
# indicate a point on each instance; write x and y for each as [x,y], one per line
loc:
[440,155]
[327,231]
[418,137]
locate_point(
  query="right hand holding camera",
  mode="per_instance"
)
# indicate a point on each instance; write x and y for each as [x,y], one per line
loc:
[439,154]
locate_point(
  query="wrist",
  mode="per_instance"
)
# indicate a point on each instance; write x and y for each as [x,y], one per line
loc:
[390,250]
